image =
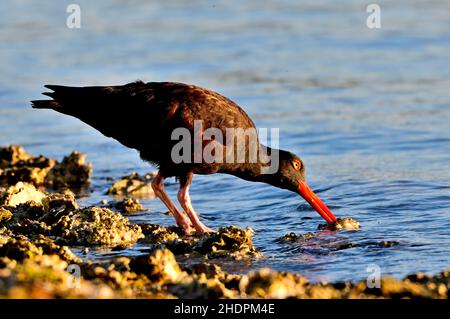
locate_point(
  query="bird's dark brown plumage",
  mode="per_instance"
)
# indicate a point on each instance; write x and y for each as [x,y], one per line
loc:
[143,116]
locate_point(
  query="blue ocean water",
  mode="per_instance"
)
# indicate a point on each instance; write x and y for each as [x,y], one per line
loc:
[368,110]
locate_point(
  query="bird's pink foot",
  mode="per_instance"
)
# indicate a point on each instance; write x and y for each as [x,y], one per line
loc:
[186,225]
[188,231]
[202,229]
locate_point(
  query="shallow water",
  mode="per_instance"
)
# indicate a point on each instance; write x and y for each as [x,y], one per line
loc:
[367,110]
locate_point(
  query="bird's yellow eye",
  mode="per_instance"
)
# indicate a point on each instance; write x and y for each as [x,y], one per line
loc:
[297,165]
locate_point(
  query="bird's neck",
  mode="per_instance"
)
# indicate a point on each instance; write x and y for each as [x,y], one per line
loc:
[263,170]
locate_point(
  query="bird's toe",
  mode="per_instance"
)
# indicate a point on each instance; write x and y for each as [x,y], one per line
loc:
[205,230]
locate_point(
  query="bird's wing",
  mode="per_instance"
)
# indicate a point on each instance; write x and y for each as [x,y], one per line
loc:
[213,109]
[129,113]
[143,115]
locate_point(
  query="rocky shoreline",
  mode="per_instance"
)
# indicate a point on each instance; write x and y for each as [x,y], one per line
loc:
[41,222]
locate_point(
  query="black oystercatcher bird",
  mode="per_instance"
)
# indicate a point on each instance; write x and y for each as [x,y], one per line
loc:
[144,116]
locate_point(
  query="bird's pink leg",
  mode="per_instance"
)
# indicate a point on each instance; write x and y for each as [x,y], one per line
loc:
[185,201]
[181,219]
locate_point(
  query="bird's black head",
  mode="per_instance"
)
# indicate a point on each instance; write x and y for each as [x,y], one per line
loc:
[291,170]
[291,176]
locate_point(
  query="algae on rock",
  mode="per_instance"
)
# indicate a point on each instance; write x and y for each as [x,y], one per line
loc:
[129,205]
[133,185]
[71,172]
[227,241]
[346,223]
[268,283]
[97,226]
[232,242]
[36,228]
[16,165]
[46,276]
[20,193]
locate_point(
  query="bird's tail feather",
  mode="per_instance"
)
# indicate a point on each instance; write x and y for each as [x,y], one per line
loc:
[45,104]
[61,95]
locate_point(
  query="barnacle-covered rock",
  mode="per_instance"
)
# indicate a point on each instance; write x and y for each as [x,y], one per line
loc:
[267,283]
[36,228]
[160,236]
[12,154]
[34,212]
[167,277]
[20,193]
[47,276]
[5,214]
[16,165]
[160,265]
[393,288]
[133,185]
[31,227]
[5,234]
[201,288]
[19,248]
[57,205]
[50,247]
[346,223]
[213,271]
[232,242]
[97,226]
[157,234]
[129,205]
[71,172]
[227,242]
[33,171]
[117,273]
[292,237]
[327,291]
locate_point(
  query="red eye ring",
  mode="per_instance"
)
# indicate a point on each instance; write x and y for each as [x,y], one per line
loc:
[296,165]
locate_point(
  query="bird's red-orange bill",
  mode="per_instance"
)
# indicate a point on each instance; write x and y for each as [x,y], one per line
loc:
[316,202]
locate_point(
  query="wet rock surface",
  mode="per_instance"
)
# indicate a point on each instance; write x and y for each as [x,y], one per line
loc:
[320,242]
[228,242]
[96,226]
[17,165]
[292,237]
[346,223]
[40,232]
[128,206]
[71,172]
